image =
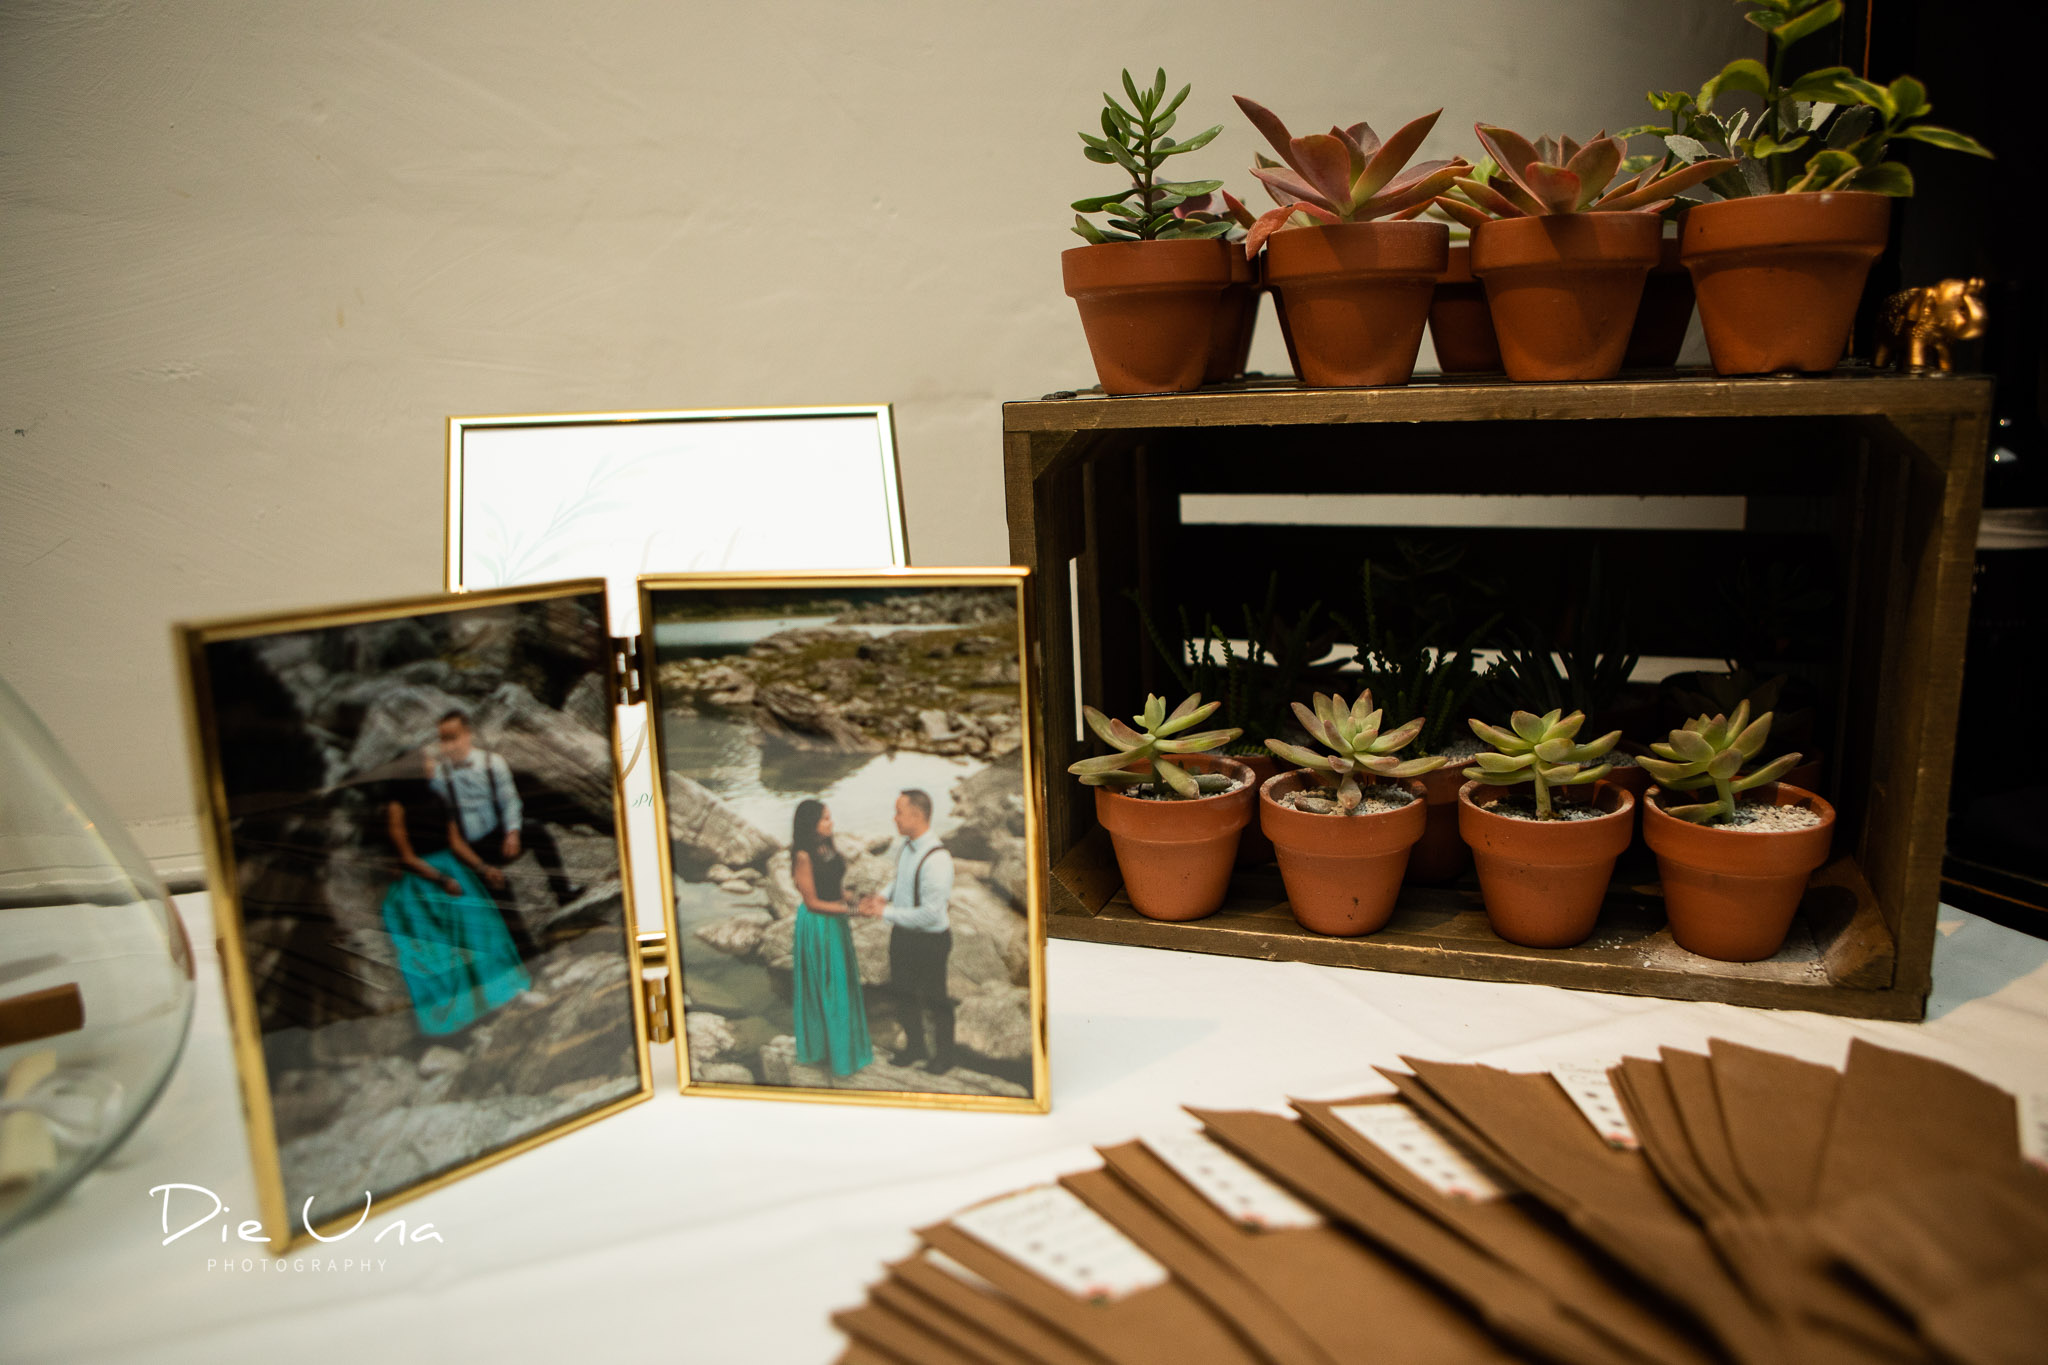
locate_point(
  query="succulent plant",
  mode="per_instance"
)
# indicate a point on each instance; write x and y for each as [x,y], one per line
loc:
[1711,751]
[1558,175]
[1352,736]
[1540,749]
[1142,754]
[1136,139]
[1825,130]
[1347,175]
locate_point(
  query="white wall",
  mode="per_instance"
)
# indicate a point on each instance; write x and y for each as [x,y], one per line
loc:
[253,254]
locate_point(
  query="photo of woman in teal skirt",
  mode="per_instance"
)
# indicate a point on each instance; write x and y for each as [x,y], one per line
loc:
[456,955]
[831,1012]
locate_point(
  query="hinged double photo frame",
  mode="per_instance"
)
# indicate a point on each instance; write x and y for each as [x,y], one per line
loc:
[417,834]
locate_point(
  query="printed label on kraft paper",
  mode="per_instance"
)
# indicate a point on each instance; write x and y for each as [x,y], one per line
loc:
[1051,1233]
[1424,1151]
[1593,1093]
[1248,1196]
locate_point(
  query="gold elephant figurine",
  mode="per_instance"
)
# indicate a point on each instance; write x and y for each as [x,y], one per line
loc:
[1931,316]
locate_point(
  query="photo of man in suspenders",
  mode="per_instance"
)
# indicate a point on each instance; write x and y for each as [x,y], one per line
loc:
[920,933]
[478,787]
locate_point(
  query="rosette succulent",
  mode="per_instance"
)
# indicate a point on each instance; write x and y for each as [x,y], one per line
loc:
[1144,754]
[1711,751]
[1557,175]
[1137,140]
[1352,736]
[1347,175]
[1540,750]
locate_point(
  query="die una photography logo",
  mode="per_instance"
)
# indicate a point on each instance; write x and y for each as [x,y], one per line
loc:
[196,1211]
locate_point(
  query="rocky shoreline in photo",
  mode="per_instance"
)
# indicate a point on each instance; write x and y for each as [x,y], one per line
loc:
[951,691]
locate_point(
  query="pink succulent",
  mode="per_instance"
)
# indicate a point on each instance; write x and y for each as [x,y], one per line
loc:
[1558,175]
[1347,175]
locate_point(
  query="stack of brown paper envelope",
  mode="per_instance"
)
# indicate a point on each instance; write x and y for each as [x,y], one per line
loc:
[1755,1209]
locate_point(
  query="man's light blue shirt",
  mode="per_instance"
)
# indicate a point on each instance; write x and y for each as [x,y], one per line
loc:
[480,789]
[918,900]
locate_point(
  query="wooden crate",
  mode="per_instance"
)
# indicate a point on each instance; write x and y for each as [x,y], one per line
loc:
[1891,466]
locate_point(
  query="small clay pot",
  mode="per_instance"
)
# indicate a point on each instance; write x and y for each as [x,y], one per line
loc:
[1461,329]
[1543,880]
[1664,314]
[1230,340]
[1254,849]
[1342,872]
[1779,275]
[1731,893]
[1357,297]
[1441,856]
[1563,289]
[1149,309]
[1176,856]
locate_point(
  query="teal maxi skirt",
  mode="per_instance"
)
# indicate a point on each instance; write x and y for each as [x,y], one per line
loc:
[831,1013]
[455,953]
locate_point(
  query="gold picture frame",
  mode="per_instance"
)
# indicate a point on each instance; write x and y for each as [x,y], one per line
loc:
[192,641]
[1017,582]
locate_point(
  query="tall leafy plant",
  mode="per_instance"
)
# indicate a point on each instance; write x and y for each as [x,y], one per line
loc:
[1828,129]
[1138,140]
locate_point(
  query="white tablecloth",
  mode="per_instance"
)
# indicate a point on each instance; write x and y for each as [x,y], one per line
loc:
[716,1230]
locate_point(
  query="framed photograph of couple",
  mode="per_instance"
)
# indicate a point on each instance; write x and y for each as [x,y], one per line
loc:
[854,827]
[413,815]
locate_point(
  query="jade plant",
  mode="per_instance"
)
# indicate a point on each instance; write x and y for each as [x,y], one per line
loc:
[1541,750]
[1828,129]
[1144,755]
[1352,736]
[1711,751]
[1557,175]
[1347,175]
[1137,140]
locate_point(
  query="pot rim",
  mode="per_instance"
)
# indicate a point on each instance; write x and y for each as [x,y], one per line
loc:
[1811,800]
[1409,785]
[1579,240]
[1247,779]
[1600,788]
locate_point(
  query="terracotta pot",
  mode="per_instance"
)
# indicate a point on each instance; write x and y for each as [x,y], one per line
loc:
[1664,314]
[1461,328]
[1254,849]
[1731,893]
[1779,275]
[1230,340]
[1357,297]
[1441,856]
[1563,289]
[1176,856]
[1149,309]
[1342,872]
[1543,881]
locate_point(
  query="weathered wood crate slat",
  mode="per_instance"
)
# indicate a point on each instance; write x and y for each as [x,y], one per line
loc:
[1890,466]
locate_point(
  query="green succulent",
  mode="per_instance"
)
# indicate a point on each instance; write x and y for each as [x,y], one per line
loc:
[1150,744]
[1540,749]
[1136,139]
[1352,736]
[1710,751]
